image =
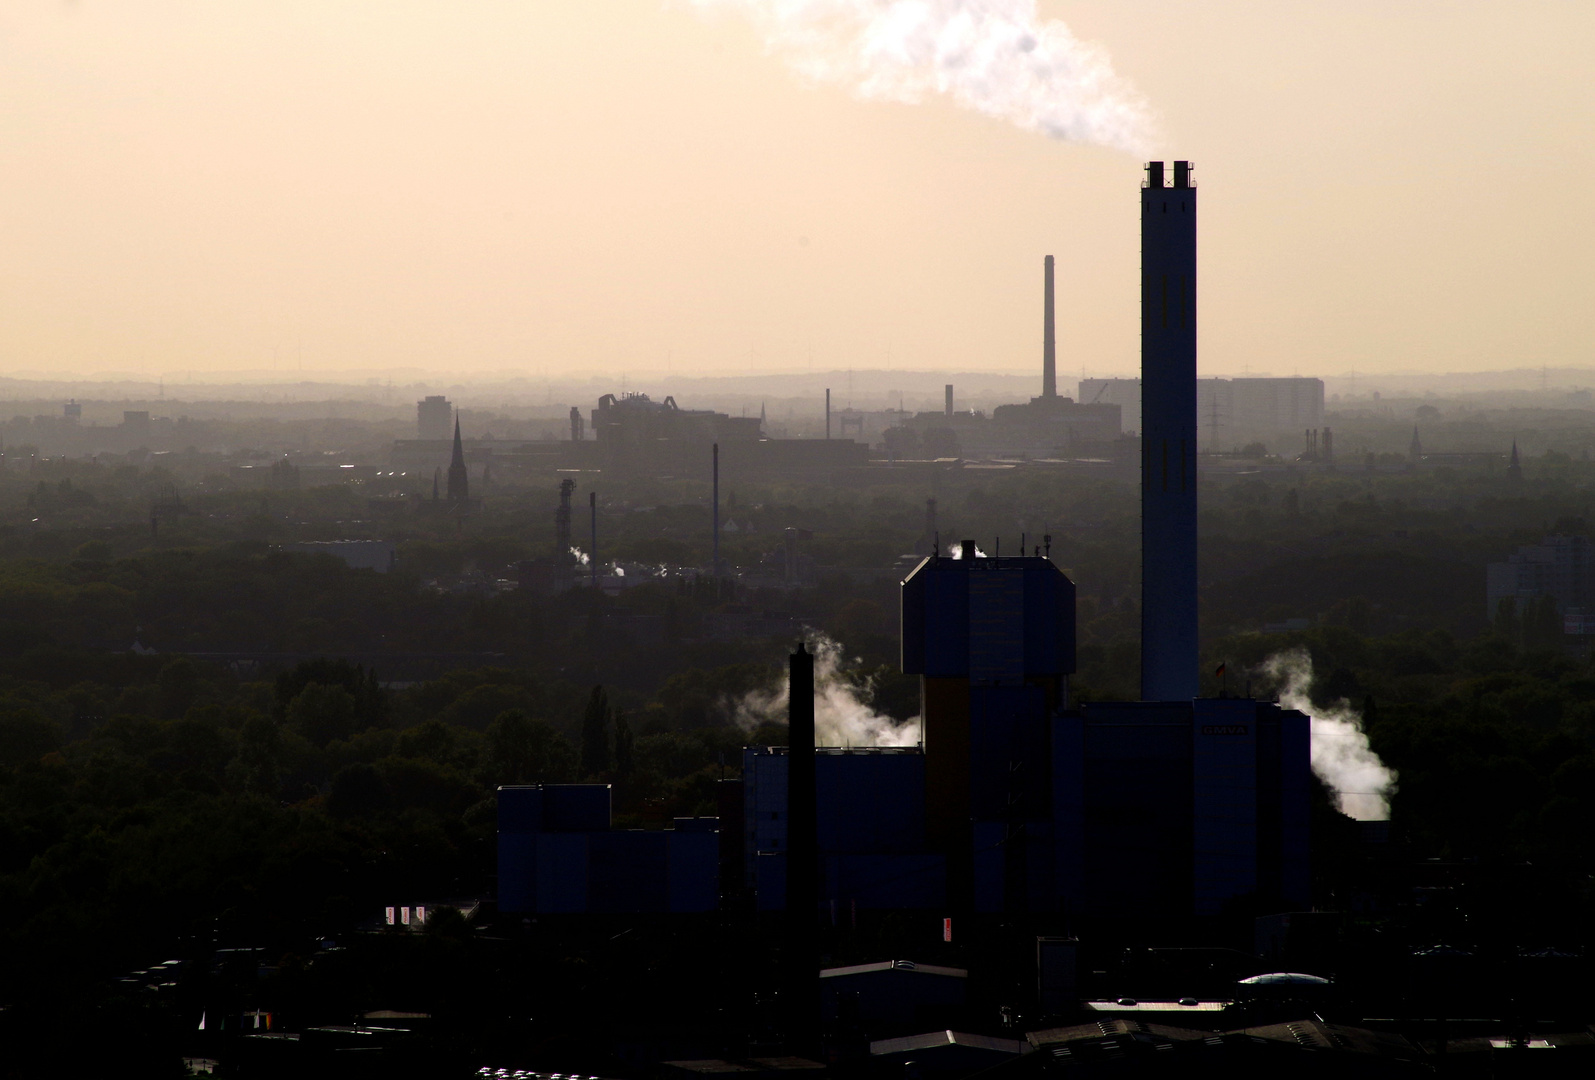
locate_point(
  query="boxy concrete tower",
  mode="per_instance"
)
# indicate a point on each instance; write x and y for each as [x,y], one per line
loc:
[1168,436]
[993,642]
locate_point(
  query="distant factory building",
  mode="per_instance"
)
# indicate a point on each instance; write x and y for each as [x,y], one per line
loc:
[636,434]
[433,417]
[1125,393]
[1046,425]
[1228,411]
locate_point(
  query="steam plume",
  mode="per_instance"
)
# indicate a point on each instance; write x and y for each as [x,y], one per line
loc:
[842,713]
[1341,755]
[996,57]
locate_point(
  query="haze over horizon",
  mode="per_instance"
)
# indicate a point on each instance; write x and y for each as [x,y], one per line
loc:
[294,189]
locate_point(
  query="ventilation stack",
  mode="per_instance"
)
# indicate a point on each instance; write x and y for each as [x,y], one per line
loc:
[802,856]
[1168,436]
[562,523]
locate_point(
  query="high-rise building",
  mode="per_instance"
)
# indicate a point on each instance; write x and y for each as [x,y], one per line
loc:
[432,416]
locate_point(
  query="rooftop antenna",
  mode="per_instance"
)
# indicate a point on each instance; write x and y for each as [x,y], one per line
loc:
[1047,539]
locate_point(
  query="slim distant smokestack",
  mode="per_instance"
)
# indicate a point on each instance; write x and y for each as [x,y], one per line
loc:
[716,510]
[562,524]
[802,856]
[1049,341]
[1168,436]
[949,401]
[592,506]
[827,412]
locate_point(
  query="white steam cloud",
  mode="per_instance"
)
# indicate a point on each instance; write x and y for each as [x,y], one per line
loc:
[842,712]
[957,551]
[1341,755]
[996,57]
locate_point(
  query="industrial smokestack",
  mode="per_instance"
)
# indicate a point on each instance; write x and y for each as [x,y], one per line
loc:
[1168,436]
[562,524]
[802,855]
[827,412]
[592,506]
[1049,341]
[716,562]
[949,401]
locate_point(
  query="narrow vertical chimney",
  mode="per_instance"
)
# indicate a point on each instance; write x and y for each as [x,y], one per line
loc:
[949,401]
[1168,436]
[562,525]
[716,563]
[1049,341]
[802,855]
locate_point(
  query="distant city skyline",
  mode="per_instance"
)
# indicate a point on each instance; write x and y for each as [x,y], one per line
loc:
[632,191]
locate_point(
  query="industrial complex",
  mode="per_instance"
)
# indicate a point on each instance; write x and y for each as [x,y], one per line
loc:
[1022,818]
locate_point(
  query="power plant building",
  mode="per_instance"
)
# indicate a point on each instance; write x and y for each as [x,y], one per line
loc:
[1019,802]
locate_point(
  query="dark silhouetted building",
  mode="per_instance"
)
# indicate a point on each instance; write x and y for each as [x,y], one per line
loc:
[432,416]
[558,855]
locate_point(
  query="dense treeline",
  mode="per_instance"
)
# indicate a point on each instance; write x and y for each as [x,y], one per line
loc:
[152,800]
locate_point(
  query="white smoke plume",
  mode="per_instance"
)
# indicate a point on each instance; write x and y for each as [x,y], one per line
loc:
[996,57]
[956,549]
[1341,755]
[842,712]
[581,556]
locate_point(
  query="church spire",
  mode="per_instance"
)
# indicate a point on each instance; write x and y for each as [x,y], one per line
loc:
[459,478]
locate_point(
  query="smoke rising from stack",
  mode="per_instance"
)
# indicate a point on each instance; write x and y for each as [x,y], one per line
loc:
[996,57]
[1341,755]
[843,715]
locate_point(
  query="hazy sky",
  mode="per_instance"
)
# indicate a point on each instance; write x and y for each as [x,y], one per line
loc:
[553,186]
